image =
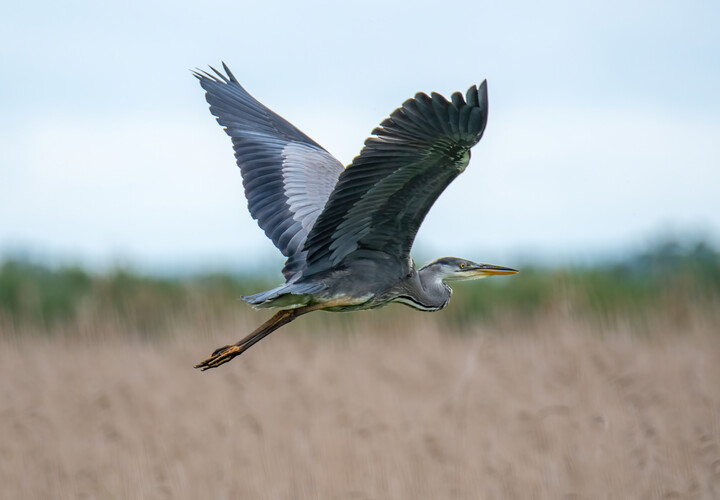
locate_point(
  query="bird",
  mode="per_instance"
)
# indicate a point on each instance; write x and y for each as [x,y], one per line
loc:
[347,232]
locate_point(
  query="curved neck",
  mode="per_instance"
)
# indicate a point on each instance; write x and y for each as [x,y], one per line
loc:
[424,290]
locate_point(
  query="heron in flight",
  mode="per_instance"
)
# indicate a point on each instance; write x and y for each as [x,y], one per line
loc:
[347,232]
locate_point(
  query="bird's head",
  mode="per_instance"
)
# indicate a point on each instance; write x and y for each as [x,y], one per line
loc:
[448,269]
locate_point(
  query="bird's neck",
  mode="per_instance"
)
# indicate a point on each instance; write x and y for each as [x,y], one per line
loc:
[424,291]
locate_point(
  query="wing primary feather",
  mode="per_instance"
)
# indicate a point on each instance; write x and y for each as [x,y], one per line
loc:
[475,121]
[381,199]
[457,100]
[220,75]
[463,119]
[426,107]
[229,73]
[472,97]
[440,107]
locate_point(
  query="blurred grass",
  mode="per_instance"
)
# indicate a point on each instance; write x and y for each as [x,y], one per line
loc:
[553,385]
[669,282]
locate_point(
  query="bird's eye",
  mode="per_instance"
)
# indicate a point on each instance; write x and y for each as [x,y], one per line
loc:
[462,265]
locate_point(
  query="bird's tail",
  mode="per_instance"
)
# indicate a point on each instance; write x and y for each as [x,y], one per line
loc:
[287,296]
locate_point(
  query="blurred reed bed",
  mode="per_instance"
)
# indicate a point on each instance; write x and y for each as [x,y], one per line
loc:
[584,383]
[670,284]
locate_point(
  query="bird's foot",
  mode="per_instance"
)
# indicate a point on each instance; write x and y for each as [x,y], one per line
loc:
[221,356]
[225,354]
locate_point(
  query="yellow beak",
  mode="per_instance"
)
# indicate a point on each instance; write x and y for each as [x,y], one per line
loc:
[490,270]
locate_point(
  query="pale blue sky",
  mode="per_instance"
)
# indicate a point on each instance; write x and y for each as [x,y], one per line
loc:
[604,124]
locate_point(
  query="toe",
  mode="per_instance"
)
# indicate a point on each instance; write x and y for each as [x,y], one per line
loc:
[219,350]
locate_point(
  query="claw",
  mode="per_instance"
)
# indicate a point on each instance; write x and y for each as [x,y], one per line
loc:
[220,357]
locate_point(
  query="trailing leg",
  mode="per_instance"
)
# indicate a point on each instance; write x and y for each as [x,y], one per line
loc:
[224,354]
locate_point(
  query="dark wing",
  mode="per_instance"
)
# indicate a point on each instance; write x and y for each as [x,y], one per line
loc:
[287,176]
[382,198]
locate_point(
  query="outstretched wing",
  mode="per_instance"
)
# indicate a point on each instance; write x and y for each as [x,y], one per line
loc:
[287,176]
[382,198]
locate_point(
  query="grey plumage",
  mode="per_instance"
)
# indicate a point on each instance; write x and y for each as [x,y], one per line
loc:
[382,198]
[287,176]
[347,233]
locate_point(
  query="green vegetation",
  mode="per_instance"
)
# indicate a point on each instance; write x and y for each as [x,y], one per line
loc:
[670,281]
[36,297]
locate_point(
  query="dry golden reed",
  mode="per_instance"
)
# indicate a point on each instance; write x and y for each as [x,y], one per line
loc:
[393,406]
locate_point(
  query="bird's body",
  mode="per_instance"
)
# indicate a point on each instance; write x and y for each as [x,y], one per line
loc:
[347,232]
[361,278]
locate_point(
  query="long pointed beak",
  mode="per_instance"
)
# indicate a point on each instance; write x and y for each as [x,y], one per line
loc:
[490,270]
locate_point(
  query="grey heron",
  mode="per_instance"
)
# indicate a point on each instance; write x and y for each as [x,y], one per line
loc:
[347,232]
